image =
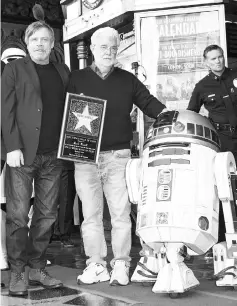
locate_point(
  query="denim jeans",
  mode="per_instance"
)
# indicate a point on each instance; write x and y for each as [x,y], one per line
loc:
[91,181]
[28,246]
[67,193]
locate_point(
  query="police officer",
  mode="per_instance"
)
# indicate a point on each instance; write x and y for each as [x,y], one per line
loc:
[218,93]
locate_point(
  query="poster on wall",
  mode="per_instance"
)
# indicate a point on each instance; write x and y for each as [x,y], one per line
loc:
[172,53]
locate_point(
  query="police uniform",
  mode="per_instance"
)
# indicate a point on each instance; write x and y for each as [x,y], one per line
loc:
[219,97]
[218,94]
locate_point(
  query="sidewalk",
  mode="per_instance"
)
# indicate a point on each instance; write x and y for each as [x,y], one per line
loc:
[68,263]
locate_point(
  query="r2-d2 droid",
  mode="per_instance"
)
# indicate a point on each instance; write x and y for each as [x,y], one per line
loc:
[177,185]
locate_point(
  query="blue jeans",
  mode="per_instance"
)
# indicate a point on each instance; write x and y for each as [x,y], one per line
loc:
[91,181]
[67,193]
[28,246]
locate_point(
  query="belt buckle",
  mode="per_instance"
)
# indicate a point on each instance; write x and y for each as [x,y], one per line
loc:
[232,129]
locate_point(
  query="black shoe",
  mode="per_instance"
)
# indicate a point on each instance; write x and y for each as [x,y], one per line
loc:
[18,284]
[67,243]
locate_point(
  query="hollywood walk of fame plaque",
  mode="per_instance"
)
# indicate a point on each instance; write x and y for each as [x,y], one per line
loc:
[82,128]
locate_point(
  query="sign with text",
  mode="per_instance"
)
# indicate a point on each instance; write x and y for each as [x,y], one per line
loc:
[82,128]
[170,45]
[177,53]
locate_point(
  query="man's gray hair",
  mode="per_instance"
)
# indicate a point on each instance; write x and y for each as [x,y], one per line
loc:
[107,31]
[35,26]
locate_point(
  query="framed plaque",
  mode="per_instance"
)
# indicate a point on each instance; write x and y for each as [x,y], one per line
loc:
[82,127]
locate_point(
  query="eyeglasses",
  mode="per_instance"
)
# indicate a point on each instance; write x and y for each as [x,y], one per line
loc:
[113,50]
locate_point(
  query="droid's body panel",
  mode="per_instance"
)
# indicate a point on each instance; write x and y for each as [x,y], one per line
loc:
[171,205]
[179,201]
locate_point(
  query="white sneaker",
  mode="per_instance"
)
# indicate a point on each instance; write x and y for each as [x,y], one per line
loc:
[119,274]
[93,273]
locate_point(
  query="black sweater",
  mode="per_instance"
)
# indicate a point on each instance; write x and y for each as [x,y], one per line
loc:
[121,89]
[53,100]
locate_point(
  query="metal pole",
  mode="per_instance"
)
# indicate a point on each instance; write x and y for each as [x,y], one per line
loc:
[82,54]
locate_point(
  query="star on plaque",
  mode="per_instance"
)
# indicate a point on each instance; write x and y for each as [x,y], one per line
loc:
[84,118]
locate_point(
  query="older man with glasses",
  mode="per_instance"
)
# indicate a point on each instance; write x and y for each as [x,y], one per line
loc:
[121,89]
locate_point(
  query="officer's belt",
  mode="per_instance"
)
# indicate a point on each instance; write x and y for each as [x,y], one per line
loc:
[224,127]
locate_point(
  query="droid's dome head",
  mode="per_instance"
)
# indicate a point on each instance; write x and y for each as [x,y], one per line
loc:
[12,54]
[182,126]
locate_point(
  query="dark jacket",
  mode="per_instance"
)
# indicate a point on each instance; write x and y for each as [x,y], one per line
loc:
[2,66]
[217,94]
[21,108]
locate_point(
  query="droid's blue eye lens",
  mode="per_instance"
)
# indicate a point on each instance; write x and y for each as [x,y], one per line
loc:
[179,126]
[203,223]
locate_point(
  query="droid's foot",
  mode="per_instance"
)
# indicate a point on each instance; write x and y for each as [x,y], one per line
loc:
[227,277]
[225,267]
[175,278]
[146,270]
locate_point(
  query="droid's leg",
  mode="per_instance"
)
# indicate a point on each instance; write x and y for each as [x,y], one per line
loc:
[148,266]
[225,253]
[175,276]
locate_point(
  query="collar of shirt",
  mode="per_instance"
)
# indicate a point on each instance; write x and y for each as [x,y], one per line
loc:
[98,72]
[222,77]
